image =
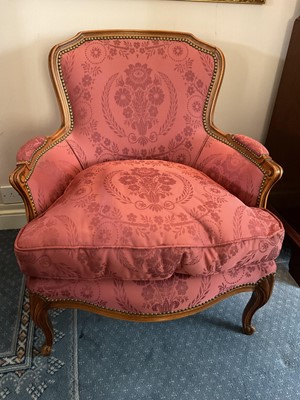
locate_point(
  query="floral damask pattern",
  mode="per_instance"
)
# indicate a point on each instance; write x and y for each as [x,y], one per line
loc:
[125,104]
[52,174]
[145,220]
[160,297]
[196,90]
[177,293]
[139,93]
[97,52]
[252,144]
[119,227]
[232,170]
[104,80]
[27,150]
[153,188]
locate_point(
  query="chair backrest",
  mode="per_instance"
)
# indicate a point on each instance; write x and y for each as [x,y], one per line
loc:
[136,95]
[139,95]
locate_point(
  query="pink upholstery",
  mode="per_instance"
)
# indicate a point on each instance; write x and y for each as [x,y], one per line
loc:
[52,174]
[140,220]
[27,150]
[256,147]
[177,293]
[137,99]
[141,99]
[140,205]
[232,170]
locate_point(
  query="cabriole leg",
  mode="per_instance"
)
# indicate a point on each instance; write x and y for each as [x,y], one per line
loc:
[260,296]
[39,314]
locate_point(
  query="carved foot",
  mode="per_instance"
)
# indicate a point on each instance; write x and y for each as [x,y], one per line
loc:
[260,297]
[248,329]
[39,314]
[46,350]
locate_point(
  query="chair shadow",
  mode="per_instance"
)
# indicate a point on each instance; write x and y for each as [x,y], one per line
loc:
[221,323]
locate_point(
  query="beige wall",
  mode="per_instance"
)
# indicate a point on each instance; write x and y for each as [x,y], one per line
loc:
[254,39]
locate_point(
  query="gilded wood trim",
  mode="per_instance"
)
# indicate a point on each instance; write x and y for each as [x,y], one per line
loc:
[40,305]
[71,44]
[19,178]
[271,171]
[39,314]
[24,169]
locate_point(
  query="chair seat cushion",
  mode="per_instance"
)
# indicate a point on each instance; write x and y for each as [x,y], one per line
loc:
[145,220]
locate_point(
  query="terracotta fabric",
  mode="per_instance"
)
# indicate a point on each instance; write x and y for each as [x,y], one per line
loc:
[140,207]
[26,152]
[135,98]
[231,170]
[177,293]
[52,174]
[252,144]
[145,220]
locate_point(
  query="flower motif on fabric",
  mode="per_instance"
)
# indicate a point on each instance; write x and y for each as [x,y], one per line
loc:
[151,186]
[148,103]
[148,188]
[196,92]
[164,296]
[178,51]
[82,90]
[255,229]
[138,76]
[195,106]
[95,52]
[123,97]
[83,113]
[139,100]
[138,48]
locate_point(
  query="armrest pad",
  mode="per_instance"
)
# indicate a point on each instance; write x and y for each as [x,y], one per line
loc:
[26,152]
[44,170]
[251,144]
[232,169]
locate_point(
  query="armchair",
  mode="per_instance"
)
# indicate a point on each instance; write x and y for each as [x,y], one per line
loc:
[138,207]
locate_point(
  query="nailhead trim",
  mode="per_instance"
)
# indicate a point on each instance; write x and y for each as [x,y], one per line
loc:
[205,107]
[50,300]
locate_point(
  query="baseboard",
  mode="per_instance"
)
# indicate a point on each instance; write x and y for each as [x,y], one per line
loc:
[12,216]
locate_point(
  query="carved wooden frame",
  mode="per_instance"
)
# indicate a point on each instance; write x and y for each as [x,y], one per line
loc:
[271,170]
[19,177]
[39,307]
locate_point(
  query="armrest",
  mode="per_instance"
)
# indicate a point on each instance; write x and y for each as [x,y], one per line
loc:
[27,151]
[240,164]
[251,144]
[45,167]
